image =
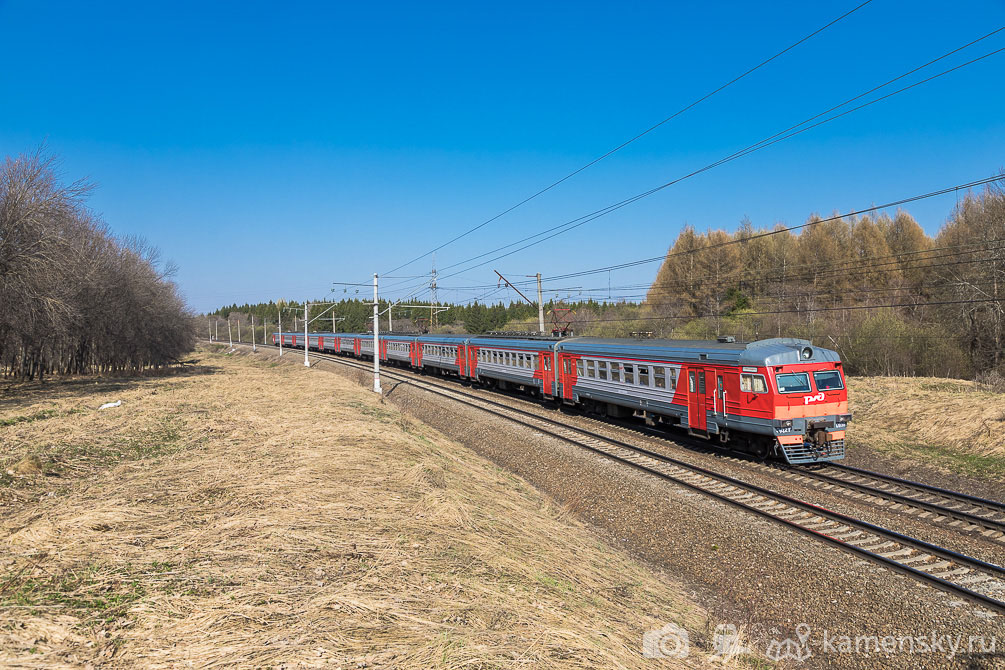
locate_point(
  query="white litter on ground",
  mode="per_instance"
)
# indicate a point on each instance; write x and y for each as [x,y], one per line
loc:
[111,404]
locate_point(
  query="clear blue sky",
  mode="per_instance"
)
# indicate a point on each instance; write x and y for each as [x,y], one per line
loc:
[270,149]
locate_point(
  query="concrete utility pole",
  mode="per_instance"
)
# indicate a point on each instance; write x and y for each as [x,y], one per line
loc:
[253,347]
[333,321]
[540,311]
[209,324]
[265,331]
[540,304]
[432,295]
[376,338]
[239,340]
[230,335]
[390,326]
[307,362]
[217,322]
[280,331]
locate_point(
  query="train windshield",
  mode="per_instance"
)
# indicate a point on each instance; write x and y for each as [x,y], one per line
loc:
[793,382]
[828,380]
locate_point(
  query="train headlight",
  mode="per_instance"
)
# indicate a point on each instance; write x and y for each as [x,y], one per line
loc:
[806,354]
[844,418]
[787,423]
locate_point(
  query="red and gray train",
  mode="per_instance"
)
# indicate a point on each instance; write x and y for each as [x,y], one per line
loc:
[782,398]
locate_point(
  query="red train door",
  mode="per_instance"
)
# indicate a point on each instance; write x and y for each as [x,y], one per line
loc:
[547,373]
[696,405]
[567,375]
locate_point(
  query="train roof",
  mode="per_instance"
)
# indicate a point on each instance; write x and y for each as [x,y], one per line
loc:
[761,353]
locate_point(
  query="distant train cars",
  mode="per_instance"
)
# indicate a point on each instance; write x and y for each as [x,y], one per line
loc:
[781,398]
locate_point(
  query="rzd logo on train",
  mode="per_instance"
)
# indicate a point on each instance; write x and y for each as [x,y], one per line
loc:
[807,399]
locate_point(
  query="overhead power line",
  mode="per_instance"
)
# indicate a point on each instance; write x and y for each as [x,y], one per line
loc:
[636,137]
[792,131]
[886,205]
[691,317]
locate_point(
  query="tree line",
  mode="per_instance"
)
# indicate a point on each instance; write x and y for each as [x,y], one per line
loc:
[891,299]
[76,299]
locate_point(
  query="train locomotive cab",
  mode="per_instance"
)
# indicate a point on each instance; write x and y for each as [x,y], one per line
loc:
[804,387]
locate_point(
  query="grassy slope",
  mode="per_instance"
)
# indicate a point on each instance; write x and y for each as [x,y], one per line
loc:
[952,424]
[253,514]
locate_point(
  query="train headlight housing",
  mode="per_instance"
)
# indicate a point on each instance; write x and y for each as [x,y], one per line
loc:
[786,424]
[806,354]
[844,418]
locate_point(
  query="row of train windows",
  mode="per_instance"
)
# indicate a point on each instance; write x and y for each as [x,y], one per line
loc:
[514,359]
[439,350]
[401,347]
[628,373]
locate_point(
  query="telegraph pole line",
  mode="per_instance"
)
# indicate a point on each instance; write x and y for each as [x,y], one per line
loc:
[376,338]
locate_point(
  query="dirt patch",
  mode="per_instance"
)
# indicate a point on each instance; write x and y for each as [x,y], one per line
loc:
[287,518]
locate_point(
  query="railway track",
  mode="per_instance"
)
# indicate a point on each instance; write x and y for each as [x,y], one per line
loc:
[978,581]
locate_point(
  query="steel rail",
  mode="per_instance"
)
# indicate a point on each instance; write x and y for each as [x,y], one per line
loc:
[994,525]
[928,488]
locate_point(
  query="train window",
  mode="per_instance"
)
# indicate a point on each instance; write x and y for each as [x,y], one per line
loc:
[567,366]
[753,384]
[602,369]
[793,382]
[629,373]
[590,371]
[660,377]
[547,362]
[673,378]
[828,380]
[690,381]
[615,372]
[579,368]
[643,375]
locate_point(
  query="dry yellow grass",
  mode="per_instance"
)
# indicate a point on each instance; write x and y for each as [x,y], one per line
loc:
[267,515]
[958,423]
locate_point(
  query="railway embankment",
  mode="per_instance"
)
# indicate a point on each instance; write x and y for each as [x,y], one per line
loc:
[946,430]
[239,512]
[793,595]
